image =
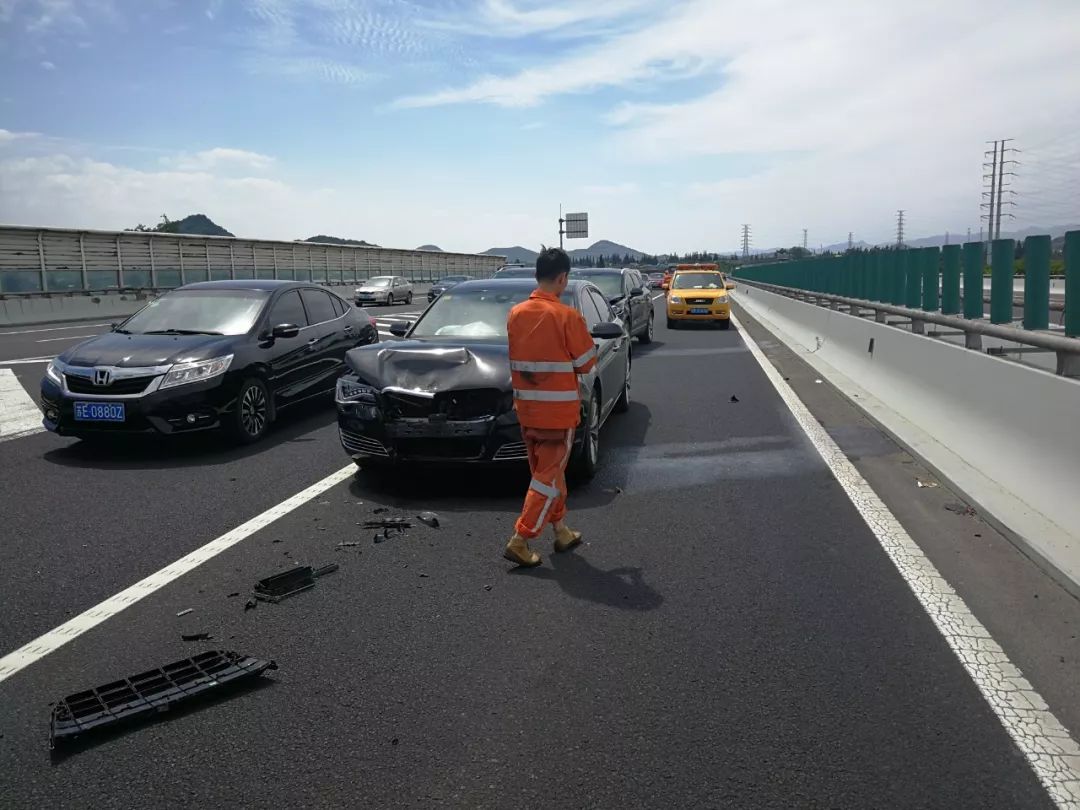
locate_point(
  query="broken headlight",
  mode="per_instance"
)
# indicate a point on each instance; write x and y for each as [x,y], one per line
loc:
[351,391]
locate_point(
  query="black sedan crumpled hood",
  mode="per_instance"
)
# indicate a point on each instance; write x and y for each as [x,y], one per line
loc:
[136,351]
[430,366]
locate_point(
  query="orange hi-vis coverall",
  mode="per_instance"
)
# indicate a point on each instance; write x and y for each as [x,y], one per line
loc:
[549,347]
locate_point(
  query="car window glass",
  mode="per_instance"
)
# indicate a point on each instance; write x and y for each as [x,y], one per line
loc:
[318,306]
[339,305]
[288,309]
[589,309]
[605,309]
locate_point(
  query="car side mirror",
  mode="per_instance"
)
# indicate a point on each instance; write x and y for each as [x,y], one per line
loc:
[285,330]
[399,328]
[114,326]
[607,331]
[615,299]
[637,291]
[729,285]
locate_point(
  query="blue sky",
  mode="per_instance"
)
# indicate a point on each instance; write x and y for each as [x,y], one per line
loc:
[467,122]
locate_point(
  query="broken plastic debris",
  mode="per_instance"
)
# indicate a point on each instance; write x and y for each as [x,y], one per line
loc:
[196,636]
[429,519]
[961,509]
[390,523]
[733,398]
[184,612]
[280,586]
[487,587]
[250,604]
[925,484]
[817,382]
[145,695]
[380,510]
[348,544]
[231,595]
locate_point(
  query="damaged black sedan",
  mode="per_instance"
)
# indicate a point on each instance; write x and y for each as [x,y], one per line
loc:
[443,394]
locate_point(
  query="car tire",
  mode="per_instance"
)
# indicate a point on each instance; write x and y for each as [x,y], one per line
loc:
[645,338]
[725,324]
[622,404]
[670,323]
[585,462]
[389,299]
[408,298]
[253,414]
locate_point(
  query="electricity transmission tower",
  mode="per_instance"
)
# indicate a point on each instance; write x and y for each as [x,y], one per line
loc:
[746,241]
[996,179]
[900,228]
[850,244]
[804,239]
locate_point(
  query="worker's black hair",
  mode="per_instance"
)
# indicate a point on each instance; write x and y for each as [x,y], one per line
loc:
[551,263]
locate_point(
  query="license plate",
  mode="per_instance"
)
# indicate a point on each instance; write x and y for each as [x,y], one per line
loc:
[99,411]
[699,311]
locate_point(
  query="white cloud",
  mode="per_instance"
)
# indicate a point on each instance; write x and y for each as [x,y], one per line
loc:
[7,136]
[504,18]
[47,65]
[220,158]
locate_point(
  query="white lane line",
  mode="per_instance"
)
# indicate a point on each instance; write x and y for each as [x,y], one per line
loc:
[59,636]
[69,337]
[54,329]
[23,360]
[659,295]
[19,414]
[1044,741]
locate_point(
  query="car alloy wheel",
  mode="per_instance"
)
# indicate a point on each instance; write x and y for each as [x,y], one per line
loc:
[647,335]
[592,433]
[253,412]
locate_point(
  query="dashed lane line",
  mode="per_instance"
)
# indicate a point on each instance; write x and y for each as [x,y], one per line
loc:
[56,638]
[19,414]
[69,337]
[1049,748]
[53,329]
[26,360]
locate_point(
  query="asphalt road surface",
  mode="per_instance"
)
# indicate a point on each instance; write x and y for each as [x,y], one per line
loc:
[732,633]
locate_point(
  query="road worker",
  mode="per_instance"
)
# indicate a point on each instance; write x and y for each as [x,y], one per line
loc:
[550,346]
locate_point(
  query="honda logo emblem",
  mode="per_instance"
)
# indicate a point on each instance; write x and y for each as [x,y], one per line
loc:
[102,376]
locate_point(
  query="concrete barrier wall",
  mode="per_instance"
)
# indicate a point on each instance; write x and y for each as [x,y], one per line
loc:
[45,309]
[1005,434]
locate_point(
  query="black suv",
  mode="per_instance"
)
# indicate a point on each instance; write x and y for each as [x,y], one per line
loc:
[626,292]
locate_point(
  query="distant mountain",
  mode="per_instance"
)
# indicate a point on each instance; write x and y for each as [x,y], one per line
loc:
[514,254]
[337,240]
[192,225]
[434,248]
[605,248]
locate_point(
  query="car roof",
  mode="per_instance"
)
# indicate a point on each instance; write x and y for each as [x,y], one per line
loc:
[266,284]
[512,284]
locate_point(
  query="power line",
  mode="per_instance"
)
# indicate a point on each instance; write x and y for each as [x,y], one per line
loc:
[996,201]
[900,228]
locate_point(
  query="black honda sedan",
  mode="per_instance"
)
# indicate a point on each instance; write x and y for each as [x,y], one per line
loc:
[227,354]
[444,393]
[444,284]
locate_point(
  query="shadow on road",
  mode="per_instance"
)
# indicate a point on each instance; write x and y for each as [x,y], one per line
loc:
[622,588]
[197,450]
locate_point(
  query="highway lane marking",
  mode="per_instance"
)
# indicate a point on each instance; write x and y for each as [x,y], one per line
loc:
[655,297]
[19,414]
[54,329]
[56,638]
[1050,750]
[23,360]
[69,337]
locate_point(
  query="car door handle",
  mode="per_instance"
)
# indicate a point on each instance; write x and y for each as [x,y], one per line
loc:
[348,327]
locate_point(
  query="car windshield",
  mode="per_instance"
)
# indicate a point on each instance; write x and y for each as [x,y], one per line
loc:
[212,312]
[698,281]
[378,281]
[453,279]
[516,272]
[610,284]
[477,313]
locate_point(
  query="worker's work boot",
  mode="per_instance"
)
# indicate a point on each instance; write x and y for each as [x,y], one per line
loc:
[518,551]
[566,538]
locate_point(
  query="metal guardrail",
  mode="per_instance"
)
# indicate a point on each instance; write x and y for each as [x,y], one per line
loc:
[36,261]
[1066,349]
[929,279]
